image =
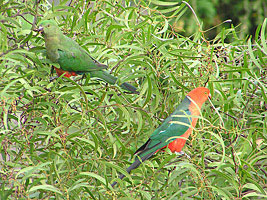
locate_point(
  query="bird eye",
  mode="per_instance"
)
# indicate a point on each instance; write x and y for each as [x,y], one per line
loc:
[48,25]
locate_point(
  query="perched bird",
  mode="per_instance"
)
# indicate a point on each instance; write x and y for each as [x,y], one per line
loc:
[72,58]
[178,124]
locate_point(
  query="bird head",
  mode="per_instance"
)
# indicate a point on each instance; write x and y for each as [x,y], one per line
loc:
[199,95]
[47,27]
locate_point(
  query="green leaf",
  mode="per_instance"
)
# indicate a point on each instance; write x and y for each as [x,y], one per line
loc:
[45,188]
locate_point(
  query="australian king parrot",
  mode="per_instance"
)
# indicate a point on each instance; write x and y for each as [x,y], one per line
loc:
[72,58]
[174,130]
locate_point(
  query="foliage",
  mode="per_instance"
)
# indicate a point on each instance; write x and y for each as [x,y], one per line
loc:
[70,138]
[246,15]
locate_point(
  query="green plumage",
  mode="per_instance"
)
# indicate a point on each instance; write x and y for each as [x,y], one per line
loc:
[72,57]
[162,136]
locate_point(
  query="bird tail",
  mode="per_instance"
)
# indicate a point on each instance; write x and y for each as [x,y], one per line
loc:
[135,164]
[106,76]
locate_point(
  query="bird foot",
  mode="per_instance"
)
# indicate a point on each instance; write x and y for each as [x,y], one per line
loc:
[51,79]
[182,153]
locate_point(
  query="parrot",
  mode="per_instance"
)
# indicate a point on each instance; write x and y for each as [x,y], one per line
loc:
[174,130]
[72,58]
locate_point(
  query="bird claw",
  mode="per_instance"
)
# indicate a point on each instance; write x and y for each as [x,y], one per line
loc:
[182,153]
[52,79]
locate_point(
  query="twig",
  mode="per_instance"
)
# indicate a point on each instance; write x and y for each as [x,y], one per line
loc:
[122,60]
[216,112]
[193,13]
[6,52]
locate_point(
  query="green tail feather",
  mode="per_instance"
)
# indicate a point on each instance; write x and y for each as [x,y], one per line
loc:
[106,76]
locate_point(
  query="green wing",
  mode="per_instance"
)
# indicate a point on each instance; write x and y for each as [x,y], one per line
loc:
[162,136]
[74,58]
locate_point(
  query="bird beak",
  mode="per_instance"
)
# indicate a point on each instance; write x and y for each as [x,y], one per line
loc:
[41,30]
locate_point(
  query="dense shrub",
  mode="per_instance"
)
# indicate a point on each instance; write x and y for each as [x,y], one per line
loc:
[69,138]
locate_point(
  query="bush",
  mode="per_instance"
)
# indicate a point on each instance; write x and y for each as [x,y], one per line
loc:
[70,138]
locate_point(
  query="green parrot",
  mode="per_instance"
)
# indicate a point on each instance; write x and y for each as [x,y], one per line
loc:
[178,124]
[72,58]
